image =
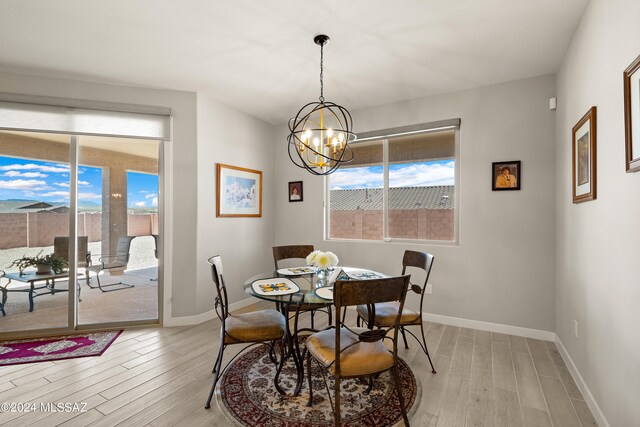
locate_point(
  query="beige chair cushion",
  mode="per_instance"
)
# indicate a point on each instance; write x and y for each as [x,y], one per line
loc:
[257,326]
[386,313]
[361,359]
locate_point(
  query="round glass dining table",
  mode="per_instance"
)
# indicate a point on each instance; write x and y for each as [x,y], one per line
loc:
[313,292]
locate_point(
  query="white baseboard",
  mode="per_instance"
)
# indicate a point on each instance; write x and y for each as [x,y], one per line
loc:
[205,317]
[491,327]
[582,385]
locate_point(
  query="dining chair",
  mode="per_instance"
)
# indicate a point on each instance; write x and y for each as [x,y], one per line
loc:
[385,313]
[281,253]
[359,352]
[256,327]
[119,261]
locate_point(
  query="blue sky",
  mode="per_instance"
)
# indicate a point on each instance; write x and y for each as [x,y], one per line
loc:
[420,174]
[49,182]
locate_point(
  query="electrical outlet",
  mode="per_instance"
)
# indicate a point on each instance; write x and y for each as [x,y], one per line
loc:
[428,289]
[575,328]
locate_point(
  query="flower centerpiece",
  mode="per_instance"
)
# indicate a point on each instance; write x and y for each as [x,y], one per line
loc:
[323,261]
[43,264]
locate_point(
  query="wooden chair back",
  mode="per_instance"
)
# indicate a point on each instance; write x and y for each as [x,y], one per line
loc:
[290,252]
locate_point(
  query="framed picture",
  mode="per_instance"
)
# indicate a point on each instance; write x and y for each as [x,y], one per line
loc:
[506,175]
[632,115]
[295,191]
[238,192]
[584,157]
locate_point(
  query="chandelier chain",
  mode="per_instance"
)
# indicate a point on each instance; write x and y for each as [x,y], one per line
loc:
[321,72]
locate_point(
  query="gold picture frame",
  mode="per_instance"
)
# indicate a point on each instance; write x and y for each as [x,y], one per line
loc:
[583,150]
[238,191]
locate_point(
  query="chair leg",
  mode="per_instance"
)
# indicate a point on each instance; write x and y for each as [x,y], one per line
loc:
[313,315]
[336,409]
[404,337]
[330,314]
[121,285]
[358,321]
[370,387]
[426,350]
[280,365]
[216,371]
[310,401]
[403,409]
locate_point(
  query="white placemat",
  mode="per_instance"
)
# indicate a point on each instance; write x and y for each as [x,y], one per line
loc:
[325,293]
[275,286]
[297,271]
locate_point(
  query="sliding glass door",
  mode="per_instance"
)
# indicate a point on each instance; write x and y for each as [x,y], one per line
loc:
[34,224]
[80,191]
[118,215]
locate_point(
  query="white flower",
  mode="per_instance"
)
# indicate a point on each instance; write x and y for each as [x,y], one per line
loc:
[333,257]
[323,260]
[311,258]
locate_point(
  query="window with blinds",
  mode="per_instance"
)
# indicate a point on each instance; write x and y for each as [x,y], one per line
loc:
[397,187]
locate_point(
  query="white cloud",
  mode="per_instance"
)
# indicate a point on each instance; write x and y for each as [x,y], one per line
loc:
[31,166]
[84,183]
[89,196]
[410,175]
[25,174]
[154,201]
[22,184]
[64,194]
[356,178]
[150,196]
[140,204]
[423,175]
[62,184]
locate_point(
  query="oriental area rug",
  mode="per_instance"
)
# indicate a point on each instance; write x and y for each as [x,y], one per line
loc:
[248,398]
[56,348]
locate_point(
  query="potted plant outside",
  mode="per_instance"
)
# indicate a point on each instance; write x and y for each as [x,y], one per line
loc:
[44,264]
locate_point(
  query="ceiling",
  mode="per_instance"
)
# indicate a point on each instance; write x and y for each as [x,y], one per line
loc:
[259,56]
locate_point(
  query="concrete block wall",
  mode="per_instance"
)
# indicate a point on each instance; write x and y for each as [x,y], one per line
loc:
[37,229]
[422,224]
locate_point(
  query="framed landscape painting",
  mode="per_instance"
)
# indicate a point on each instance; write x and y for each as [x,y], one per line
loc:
[632,115]
[238,192]
[584,158]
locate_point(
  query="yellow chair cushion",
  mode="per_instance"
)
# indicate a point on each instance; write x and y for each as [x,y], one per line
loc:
[256,326]
[386,313]
[361,359]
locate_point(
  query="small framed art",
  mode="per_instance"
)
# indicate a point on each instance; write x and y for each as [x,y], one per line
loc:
[295,191]
[238,192]
[632,115]
[506,175]
[584,157]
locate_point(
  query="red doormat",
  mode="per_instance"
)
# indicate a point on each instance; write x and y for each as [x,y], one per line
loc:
[56,348]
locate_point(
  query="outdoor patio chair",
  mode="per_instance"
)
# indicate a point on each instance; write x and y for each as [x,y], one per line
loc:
[384,315]
[358,352]
[61,249]
[155,252]
[256,327]
[117,261]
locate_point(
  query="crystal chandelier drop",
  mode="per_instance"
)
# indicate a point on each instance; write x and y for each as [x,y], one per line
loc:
[319,135]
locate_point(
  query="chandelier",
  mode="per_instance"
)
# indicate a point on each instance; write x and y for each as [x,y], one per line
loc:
[319,135]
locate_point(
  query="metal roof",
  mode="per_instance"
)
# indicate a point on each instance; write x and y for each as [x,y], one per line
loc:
[400,198]
[24,206]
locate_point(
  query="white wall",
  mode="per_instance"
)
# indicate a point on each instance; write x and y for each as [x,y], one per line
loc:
[183,105]
[503,269]
[228,136]
[597,242]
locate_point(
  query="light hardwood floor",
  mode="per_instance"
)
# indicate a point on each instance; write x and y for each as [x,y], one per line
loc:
[161,377]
